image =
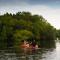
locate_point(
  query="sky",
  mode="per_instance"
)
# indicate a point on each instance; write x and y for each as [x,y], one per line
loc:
[49,9]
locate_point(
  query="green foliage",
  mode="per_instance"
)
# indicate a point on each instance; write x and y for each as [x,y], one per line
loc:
[58,34]
[24,26]
[20,35]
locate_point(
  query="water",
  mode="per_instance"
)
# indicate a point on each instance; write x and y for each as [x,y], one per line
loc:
[38,54]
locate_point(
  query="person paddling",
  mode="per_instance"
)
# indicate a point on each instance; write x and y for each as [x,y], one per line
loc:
[33,44]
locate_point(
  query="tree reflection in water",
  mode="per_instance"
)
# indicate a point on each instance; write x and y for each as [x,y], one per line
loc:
[47,52]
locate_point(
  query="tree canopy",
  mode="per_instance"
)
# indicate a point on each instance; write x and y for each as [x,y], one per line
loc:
[24,26]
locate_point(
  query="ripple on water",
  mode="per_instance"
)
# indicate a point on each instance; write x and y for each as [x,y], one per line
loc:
[39,54]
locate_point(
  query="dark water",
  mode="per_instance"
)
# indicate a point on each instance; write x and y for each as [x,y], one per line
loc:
[33,54]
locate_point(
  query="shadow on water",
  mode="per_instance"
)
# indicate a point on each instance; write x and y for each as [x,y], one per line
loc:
[28,54]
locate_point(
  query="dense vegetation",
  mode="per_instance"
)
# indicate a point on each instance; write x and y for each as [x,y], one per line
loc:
[24,26]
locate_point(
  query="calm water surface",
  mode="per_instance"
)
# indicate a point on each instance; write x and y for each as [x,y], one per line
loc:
[38,54]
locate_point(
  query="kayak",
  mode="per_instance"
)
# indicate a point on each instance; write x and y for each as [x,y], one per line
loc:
[29,47]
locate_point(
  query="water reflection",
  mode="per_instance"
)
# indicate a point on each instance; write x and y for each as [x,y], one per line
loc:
[47,44]
[38,54]
[33,55]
